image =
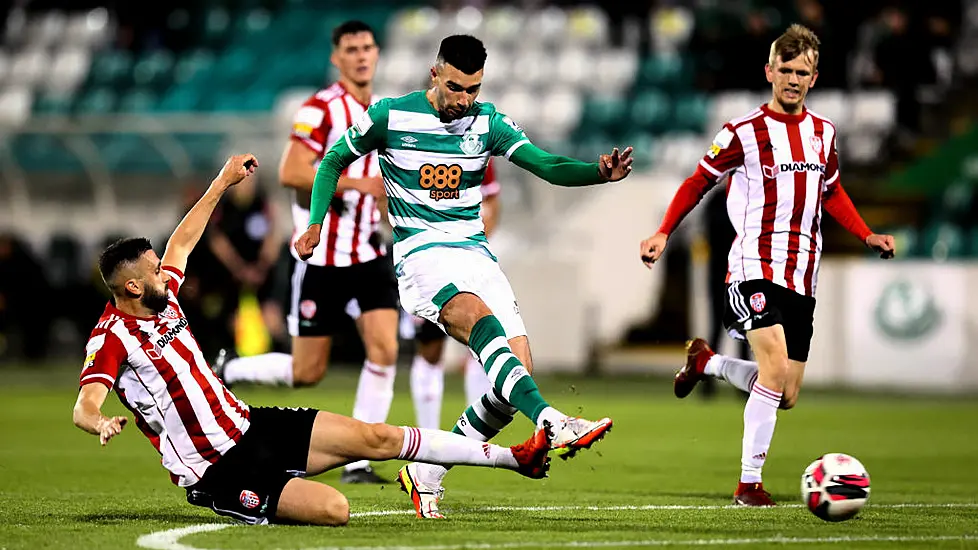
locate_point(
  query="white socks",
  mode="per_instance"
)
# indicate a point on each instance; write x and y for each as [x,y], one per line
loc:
[477,381]
[267,368]
[438,447]
[553,415]
[760,416]
[741,374]
[375,391]
[427,388]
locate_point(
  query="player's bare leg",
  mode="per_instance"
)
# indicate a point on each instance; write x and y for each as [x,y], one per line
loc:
[311,503]
[761,412]
[375,389]
[792,385]
[310,359]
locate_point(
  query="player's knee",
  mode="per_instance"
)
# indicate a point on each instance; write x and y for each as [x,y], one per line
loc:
[383,352]
[431,351]
[383,441]
[335,511]
[308,370]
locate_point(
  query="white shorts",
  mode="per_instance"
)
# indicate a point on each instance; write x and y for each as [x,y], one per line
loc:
[428,278]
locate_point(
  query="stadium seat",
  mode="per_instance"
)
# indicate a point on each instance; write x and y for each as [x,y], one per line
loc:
[650,111]
[872,110]
[63,261]
[727,106]
[153,70]
[521,105]
[665,72]
[47,29]
[97,101]
[545,27]
[560,113]
[502,28]
[943,241]
[833,104]
[89,29]
[43,152]
[217,25]
[586,25]
[53,103]
[605,114]
[643,144]
[690,112]
[180,99]
[253,26]
[29,66]
[617,68]
[111,68]
[138,100]
[15,106]
[4,65]
[194,66]
[68,69]
[973,245]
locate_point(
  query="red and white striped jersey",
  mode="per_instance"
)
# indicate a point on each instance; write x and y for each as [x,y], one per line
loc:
[779,166]
[322,120]
[159,373]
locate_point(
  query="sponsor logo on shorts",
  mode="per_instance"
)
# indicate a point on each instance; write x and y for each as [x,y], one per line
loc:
[307,308]
[249,499]
[758,301]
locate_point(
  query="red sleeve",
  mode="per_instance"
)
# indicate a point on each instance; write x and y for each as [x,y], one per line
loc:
[311,125]
[838,204]
[104,355]
[725,154]
[832,165]
[176,278]
[490,187]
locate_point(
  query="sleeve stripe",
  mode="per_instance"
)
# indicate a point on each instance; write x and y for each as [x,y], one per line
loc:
[96,378]
[709,168]
[515,146]
[349,143]
[831,180]
[311,144]
[174,272]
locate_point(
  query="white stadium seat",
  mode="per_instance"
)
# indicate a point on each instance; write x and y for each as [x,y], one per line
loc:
[548,25]
[69,69]
[15,106]
[730,105]
[617,69]
[47,29]
[833,104]
[560,113]
[872,110]
[521,105]
[575,66]
[4,66]
[29,66]
[90,29]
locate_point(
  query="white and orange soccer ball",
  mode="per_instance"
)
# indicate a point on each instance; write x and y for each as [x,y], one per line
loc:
[835,487]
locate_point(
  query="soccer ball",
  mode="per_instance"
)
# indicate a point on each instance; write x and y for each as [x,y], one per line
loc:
[835,487]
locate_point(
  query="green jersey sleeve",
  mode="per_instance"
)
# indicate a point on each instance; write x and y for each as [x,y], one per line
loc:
[367,134]
[505,135]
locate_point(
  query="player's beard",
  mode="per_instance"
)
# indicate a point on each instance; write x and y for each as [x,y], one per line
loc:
[154,300]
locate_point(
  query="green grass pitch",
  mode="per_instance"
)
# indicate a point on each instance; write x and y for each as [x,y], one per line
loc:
[663,477]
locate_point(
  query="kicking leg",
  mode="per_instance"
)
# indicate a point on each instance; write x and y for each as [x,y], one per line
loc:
[701,361]
[761,412]
[268,368]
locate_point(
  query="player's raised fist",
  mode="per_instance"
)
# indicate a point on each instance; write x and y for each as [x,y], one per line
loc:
[651,249]
[110,427]
[308,242]
[237,168]
[617,165]
[885,245]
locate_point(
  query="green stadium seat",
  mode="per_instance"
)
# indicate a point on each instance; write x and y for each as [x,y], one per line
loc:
[236,67]
[943,241]
[605,114]
[138,100]
[253,26]
[665,71]
[153,69]
[642,143]
[53,104]
[111,68]
[204,150]
[650,111]
[44,153]
[180,99]
[97,101]
[194,66]
[973,242]
[691,112]
[217,26]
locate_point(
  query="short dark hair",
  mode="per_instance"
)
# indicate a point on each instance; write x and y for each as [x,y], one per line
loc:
[465,53]
[349,27]
[123,251]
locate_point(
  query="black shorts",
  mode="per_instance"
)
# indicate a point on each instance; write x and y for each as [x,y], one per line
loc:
[248,480]
[429,332]
[760,303]
[320,294]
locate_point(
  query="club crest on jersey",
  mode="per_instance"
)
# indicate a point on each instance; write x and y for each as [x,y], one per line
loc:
[170,313]
[816,142]
[249,499]
[471,144]
[758,301]
[307,308]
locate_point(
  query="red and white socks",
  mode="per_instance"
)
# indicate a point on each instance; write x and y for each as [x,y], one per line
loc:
[446,448]
[375,392]
[739,373]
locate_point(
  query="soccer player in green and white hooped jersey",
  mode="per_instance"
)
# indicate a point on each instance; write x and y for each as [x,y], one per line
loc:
[434,146]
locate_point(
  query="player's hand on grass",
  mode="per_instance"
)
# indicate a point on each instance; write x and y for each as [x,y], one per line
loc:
[308,241]
[110,427]
[885,245]
[237,168]
[652,248]
[615,166]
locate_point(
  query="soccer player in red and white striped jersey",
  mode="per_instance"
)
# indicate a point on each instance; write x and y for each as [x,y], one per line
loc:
[243,462]
[782,168]
[353,266]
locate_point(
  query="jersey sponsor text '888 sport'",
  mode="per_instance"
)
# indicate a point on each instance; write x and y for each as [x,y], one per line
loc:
[432,169]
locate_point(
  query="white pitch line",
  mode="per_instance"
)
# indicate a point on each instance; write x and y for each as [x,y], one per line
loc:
[169,539]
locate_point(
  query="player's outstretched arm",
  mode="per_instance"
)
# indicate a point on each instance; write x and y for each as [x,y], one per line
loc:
[687,197]
[366,135]
[569,172]
[88,413]
[188,232]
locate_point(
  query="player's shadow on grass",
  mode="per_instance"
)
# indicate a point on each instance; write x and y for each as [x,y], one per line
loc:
[128,516]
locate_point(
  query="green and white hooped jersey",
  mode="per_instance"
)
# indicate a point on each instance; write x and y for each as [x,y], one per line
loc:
[432,170]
